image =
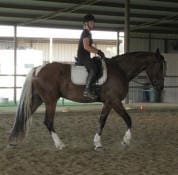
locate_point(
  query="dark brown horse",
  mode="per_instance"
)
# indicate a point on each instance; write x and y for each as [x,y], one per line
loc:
[50,82]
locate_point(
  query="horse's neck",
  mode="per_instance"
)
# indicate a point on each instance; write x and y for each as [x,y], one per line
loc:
[133,67]
[132,73]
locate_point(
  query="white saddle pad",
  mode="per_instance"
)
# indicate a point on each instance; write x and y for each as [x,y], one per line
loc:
[79,74]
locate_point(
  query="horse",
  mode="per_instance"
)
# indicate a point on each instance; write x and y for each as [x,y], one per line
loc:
[46,84]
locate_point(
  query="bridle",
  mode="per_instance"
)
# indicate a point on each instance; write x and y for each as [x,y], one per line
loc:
[156,81]
[164,68]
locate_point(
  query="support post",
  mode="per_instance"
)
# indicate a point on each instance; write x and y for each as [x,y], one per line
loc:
[118,43]
[165,46]
[149,43]
[127,26]
[15,64]
[51,49]
[126,34]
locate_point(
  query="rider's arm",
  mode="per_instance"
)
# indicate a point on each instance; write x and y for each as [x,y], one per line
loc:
[86,44]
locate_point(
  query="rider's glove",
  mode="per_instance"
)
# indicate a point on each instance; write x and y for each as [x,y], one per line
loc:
[101,54]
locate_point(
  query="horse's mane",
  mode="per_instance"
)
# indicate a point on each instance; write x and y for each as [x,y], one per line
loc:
[119,57]
[139,54]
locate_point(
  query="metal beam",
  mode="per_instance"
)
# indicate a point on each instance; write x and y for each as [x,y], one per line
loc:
[126,33]
[127,26]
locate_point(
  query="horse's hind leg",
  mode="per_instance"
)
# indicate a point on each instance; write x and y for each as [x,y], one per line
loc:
[119,108]
[102,120]
[36,102]
[49,122]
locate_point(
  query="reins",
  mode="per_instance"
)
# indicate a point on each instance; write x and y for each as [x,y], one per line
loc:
[144,84]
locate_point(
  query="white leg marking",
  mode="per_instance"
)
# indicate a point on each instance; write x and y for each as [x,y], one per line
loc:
[57,141]
[127,138]
[97,141]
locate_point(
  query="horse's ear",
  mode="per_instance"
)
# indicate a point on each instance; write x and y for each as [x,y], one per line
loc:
[157,51]
[158,55]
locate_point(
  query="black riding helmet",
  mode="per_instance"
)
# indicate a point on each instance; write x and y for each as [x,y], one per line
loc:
[88,17]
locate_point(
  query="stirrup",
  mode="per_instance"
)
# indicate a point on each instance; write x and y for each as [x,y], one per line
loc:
[89,95]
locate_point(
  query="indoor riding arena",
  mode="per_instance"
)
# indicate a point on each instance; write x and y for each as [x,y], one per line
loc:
[35,34]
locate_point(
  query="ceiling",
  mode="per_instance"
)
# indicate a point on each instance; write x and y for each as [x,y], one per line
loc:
[155,16]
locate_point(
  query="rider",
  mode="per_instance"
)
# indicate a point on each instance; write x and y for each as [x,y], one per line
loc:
[83,55]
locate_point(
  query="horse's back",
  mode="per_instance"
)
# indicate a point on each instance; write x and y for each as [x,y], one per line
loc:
[51,77]
[52,70]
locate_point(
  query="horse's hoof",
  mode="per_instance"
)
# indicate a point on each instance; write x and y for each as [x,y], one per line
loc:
[11,146]
[61,146]
[99,149]
[124,145]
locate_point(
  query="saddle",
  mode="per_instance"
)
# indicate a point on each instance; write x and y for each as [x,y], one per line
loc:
[79,74]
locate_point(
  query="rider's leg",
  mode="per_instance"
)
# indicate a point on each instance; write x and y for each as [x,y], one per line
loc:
[91,79]
[88,88]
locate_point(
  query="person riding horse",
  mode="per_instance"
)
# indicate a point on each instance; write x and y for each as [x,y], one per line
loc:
[83,54]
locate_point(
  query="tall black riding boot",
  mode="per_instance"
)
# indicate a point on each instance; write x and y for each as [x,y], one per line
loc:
[88,88]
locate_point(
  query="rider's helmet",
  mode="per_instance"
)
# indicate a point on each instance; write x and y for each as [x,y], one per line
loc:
[88,17]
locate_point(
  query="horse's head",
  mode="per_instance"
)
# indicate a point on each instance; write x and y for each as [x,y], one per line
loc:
[156,71]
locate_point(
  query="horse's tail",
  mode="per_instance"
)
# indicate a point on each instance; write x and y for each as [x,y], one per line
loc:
[23,115]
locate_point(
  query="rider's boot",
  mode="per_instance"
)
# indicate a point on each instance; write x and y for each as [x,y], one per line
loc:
[88,88]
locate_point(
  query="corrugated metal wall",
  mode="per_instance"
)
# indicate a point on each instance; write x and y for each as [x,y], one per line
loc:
[137,44]
[109,50]
[171,81]
[66,52]
[157,43]
[44,47]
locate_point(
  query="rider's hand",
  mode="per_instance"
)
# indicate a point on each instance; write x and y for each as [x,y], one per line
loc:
[101,54]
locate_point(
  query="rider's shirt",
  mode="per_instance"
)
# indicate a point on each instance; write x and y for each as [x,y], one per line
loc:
[83,54]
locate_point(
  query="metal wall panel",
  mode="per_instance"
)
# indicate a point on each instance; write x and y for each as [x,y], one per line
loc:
[64,52]
[171,81]
[157,43]
[137,44]
[44,47]
[109,50]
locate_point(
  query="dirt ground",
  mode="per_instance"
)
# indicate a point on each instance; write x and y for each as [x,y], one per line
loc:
[153,150]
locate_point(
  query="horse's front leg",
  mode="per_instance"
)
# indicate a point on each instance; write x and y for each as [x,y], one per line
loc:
[119,108]
[49,122]
[102,120]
